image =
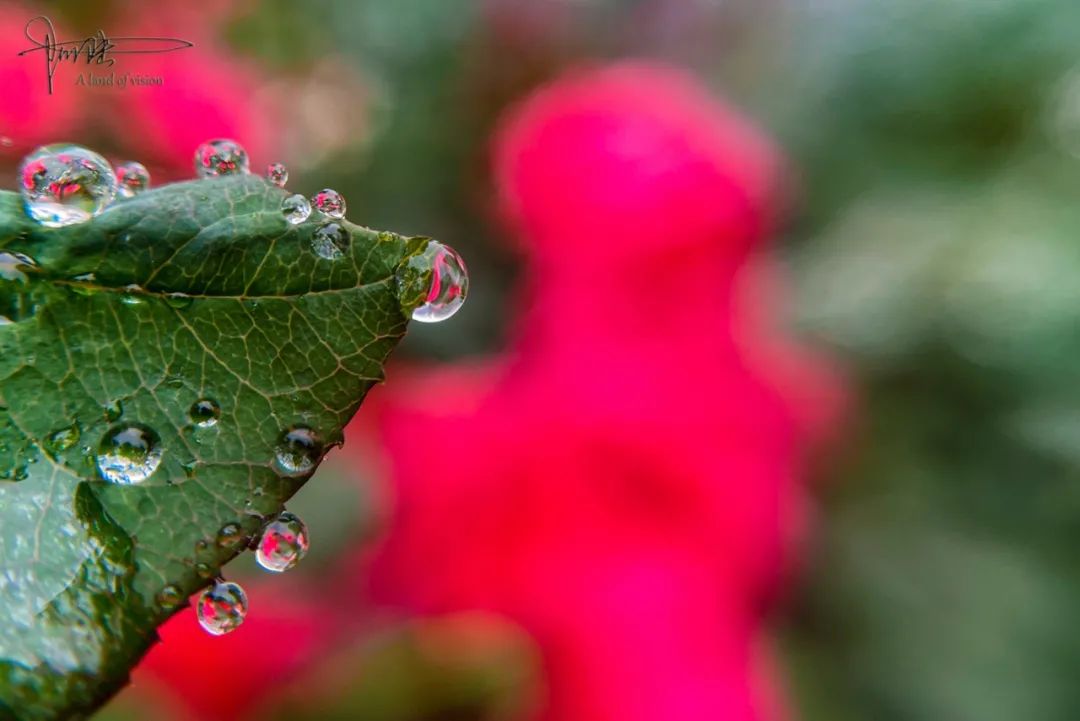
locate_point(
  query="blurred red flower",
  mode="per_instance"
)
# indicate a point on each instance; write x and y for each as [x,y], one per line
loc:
[626,484]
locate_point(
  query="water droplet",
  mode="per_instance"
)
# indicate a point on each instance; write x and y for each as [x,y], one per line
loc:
[205,412]
[230,535]
[448,282]
[277,174]
[132,178]
[178,300]
[297,452]
[65,184]
[329,202]
[222,608]
[129,453]
[16,303]
[204,570]
[169,597]
[284,541]
[220,157]
[62,439]
[296,209]
[113,410]
[132,294]
[12,266]
[330,241]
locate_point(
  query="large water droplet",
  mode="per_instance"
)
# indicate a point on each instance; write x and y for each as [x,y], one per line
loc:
[129,453]
[296,209]
[222,607]
[205,412]
[169,597]
[277,174]
[449,282]
[329,202]
[284,541]
[330,241]
[297,452]
[220,157]
[65,184]
[132,178]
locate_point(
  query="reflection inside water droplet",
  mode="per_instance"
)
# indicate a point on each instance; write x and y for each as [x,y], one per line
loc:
[129,453]
[329,202]
[284,541]
[205,412]
[297,452]
[449,283]
[64,184]
[220,157]
[169,597]
[277,174]
[132,178]
[222,607]
[330,241]
[296,209]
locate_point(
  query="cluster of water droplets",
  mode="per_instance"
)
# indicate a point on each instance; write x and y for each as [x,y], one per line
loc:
[67,184]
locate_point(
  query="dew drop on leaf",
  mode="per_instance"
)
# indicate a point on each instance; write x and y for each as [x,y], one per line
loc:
[221,157]
[129,453]
[230,536]
[284,541]
[296,209]
[204,570]
[64,184]
[113,411]
[205,412]
[178,300]
[15,303]
[132,178]
[329,202]
[449,283]
[169,597]
[330,241]
[62,439]
[221,608]
[277,174]
[297,452]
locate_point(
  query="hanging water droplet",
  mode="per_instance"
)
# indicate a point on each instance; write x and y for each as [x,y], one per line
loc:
[220,157]
[222,607]
[330,241]
[284,541]
[296,209]
[448,282]
[205,412]
[178,300]
[277,174]
[329,202]
[132,178]
[129,453]
[62,439]
[113,410]
[230,535]
[298,451]
[169,597]
[64,184]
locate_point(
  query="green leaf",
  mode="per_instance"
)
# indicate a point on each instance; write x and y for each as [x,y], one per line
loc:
[94,337]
